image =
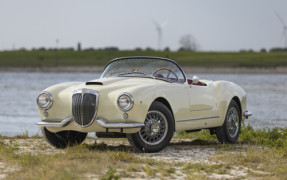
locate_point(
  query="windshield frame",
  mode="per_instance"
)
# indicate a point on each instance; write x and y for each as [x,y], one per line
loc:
[143,58]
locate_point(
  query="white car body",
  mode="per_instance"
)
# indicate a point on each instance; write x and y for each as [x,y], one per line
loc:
[194,106]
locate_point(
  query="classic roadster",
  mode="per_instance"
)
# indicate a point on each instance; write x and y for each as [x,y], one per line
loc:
[145,99]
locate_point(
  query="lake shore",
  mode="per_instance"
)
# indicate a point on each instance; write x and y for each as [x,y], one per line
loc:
[187,69]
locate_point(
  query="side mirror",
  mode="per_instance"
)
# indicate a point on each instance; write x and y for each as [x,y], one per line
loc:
[195,80]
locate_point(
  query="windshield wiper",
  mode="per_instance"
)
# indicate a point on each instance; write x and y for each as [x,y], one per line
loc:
[130,73]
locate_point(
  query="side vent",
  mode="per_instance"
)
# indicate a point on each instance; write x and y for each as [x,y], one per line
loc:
[94,83]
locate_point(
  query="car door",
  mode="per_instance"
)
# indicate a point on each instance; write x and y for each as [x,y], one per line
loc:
[201,97]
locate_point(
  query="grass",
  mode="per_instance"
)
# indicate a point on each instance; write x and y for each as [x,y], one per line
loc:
[24,135]
[273,138]
[78,162]
[259,153]
[101,57]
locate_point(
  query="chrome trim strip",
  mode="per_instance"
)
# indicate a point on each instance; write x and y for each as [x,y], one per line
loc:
[119,125]
[246,114]
[193,119]
[84,90]
[63,123]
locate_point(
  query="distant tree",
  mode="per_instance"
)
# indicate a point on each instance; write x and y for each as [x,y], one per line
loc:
[149,49]
[22,49]
[89,49]
[138,49]
[188,43]
[67,49]
[166,49]
[111,48]
[181,49]
[38,49]
[263,50]
[79,47]
[242,51]
[278,50]
[41,49]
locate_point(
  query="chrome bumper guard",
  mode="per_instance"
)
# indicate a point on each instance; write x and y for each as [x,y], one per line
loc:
[247,114]
[63,123]
[103,124]
[119,125]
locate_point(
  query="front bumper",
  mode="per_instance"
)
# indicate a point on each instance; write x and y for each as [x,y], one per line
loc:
[246,114]
[63,123]
[100,122]
[119,125]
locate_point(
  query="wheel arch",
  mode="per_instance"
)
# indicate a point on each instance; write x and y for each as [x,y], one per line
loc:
[165,102]
[237,100]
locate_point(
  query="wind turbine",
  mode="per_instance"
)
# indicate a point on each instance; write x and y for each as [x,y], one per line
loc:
[159,28]
[284,28]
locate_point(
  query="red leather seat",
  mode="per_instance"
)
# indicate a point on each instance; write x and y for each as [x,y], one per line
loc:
[190,82]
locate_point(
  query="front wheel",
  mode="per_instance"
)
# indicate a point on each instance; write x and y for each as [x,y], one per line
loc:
[63,139]
[230,130]
[157,132]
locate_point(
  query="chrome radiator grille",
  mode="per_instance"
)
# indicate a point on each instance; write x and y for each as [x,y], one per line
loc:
[84,105]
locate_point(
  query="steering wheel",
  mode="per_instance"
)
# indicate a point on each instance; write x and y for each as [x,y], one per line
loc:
[169,72]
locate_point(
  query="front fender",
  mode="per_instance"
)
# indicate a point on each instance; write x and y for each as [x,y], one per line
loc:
[224,92]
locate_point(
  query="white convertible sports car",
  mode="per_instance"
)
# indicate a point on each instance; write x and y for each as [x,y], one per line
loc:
[145,99]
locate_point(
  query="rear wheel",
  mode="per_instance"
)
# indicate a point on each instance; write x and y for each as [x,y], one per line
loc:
[230,130]
[63,139]
[157,132]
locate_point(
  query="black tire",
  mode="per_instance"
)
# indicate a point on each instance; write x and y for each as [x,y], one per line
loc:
[63,139]
[156,135]
[230,130]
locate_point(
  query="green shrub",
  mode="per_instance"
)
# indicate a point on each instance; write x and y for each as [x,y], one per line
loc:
[276,137]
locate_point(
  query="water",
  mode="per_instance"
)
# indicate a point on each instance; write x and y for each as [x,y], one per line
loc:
[18,110]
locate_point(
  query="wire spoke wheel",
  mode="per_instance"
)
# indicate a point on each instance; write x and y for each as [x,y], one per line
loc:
[157,132]
[156,127]
[232,122]
[230,130]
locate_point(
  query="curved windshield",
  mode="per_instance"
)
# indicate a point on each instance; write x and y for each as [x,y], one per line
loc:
[163,69]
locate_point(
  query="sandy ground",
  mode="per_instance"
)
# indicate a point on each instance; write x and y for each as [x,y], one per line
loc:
[277,70]
[4,169]
[181,151]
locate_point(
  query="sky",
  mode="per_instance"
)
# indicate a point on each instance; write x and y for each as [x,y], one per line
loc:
[221,25]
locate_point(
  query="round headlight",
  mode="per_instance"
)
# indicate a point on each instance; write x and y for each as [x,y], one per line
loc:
[125,102]
[45,100]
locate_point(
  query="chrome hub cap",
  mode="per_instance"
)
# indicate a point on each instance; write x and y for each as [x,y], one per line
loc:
[232,122]
[155,129]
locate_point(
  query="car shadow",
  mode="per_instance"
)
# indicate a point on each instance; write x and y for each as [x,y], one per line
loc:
[108,147]
[102,146]
[195,142]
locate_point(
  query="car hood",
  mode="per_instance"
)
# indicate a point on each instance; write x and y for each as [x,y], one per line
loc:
[121,83]
[107,85]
